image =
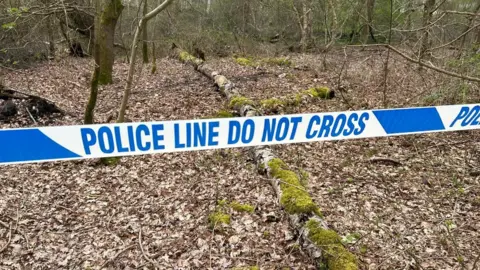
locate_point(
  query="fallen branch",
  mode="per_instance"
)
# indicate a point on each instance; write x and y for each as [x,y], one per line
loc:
[9,239]
[421,63]
[154,263]
[31,116]
[5,225]
[387,160]
[320,242]
[461,13]
[115,256]
[457,38]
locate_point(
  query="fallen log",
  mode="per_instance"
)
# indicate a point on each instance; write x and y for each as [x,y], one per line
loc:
[321,243]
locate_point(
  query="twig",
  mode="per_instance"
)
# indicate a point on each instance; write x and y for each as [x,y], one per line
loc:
[340,80]
[455,246]
[382,159]
[408,252]
[451,144]
[421,63]
[9,239]
[457,38]
[476,260]
[154,263]
[76,84]
[116,255]
[16,230]
[462,13]
[31,116]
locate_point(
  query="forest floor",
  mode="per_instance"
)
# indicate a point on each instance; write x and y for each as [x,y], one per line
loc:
[419,212]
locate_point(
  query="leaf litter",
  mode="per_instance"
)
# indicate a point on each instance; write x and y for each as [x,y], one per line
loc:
[422,213]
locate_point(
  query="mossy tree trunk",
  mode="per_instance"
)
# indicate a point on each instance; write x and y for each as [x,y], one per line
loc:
[92,101]
[320,242]
[145,34]
[104,37]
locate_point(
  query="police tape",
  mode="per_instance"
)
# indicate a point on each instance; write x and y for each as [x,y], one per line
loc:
[54,143]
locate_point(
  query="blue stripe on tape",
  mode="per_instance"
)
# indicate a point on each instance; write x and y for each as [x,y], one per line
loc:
[30,145]
[409,120]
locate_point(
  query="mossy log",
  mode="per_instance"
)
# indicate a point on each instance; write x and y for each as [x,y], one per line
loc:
[294,100]
[320,242]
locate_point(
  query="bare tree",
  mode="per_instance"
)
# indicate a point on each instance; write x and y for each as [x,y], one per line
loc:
[89,111]
[133,56]
[145,34]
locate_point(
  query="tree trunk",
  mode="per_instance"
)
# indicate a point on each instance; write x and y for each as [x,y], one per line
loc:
[408,23]
[209,5]
[133,56]
[427,18]
[368,34]
[306,25]
[111,10]
[51,39]
[145,35]
[92,101]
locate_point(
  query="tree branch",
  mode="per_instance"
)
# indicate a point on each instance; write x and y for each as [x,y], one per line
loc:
[421,63]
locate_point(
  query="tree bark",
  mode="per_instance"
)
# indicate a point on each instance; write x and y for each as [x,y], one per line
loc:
[209,5]
[306,25]
[368,34]
[145,35]
[104,37]
[133,56]
[427,18]
[51,39]
[92,101]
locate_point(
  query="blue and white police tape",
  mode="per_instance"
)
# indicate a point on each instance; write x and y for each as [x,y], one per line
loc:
[27,145]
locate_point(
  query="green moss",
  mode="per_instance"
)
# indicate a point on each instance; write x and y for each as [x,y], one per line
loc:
[335,254]
[294,199]
[244,61]
[110,161]
[242,207]
[320,92]
[240,101]
[298,98]
[154,68]
[186,57]
[247,268]
[222,202]
[304,178]
[281,61]
[224,114]
[272,104]
[217,218]
[112,11]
